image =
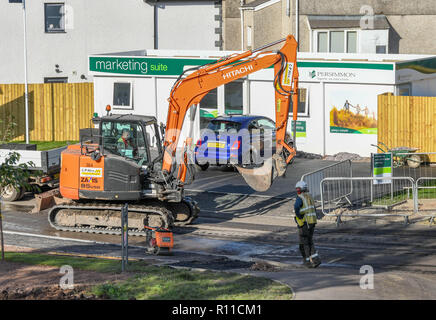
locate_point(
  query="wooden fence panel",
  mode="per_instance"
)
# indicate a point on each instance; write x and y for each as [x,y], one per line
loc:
[56,110]
[407,121]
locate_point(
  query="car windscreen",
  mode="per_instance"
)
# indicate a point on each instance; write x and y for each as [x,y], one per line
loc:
[220,126]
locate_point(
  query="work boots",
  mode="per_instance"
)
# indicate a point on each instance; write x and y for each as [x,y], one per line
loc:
[315,260]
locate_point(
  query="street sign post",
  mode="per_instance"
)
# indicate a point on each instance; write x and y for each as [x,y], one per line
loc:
[382,166]
[1,231]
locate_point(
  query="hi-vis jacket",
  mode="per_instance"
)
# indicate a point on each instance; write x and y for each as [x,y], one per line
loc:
[307,210]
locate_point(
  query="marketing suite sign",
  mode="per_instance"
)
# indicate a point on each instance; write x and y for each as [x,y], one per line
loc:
[310,71]
[140,66]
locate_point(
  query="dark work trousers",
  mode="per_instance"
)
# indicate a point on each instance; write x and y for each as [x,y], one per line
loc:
[305,234]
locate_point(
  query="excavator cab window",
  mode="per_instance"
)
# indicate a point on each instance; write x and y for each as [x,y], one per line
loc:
[126,139]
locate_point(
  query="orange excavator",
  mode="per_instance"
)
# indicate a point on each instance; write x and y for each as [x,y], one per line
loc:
[123,164]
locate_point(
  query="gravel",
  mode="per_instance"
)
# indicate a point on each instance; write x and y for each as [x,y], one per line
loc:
[46,293]
[307,155]
[216,264]
[341,156]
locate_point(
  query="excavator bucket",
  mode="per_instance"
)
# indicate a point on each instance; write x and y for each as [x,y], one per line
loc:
[261,178]
[48,199]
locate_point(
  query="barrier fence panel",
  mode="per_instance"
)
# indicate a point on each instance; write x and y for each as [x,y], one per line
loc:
[426,197]
[371,196]
[340,169]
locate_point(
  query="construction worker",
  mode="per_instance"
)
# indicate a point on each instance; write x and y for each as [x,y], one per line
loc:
[305,217]
[125,144]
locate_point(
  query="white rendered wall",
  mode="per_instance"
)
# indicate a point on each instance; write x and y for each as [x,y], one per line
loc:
[424,88]
[97,27]
[369,39]
[183,28]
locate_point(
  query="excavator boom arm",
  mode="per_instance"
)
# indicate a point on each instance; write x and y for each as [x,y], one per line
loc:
[191,90]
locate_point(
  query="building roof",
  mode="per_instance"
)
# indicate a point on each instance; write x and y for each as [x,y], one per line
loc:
[331,22]
[129,117]
[259,4]
[254,3]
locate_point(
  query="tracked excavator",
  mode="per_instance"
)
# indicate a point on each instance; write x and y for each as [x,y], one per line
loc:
[122,164]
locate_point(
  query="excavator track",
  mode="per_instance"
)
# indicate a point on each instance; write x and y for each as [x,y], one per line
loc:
[105,218]
[184,212]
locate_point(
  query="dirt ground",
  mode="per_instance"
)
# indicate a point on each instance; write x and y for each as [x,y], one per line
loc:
[19,281]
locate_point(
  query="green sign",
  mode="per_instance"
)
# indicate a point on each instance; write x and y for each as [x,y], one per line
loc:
[382,166]
[142,66]
[150,66]
[300,129]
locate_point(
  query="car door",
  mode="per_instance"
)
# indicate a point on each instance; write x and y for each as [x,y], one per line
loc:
[268,136]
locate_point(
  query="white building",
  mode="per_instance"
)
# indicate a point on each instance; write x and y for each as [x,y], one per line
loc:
[61,34]
[140,83]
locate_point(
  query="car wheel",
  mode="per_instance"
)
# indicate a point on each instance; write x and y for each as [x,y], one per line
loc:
[203,166]
[228,168]
[22,193]
[9,193]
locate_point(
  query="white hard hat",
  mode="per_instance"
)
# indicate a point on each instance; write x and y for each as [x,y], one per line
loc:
[302,185]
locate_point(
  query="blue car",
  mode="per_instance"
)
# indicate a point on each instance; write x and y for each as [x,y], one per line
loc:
[236,140]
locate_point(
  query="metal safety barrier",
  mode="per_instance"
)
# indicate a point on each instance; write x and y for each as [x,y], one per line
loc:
[340,169]
[124,237]
[387,196]
[426,197]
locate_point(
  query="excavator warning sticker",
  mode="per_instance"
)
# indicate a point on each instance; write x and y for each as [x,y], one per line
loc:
[287,76]
[91,172]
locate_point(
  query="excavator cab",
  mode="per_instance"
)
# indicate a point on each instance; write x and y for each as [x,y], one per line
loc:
[132,137]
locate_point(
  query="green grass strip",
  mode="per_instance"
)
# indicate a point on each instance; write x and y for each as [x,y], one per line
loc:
[48,145]
[164,283]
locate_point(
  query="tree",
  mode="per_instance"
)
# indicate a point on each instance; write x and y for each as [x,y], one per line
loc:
[12,174]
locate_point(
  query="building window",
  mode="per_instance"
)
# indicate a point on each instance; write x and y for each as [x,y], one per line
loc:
[323,42]
[122,95]
[351,42]
[404,89]
[339,41]
[303,110]
[249,36]
[54,17]
[208,108]
[56,80]
[233,98]
[380,49]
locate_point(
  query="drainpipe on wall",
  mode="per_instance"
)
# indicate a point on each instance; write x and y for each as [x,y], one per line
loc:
[324,151]
[242,28]
[155,21]
[288,8]
[297,19]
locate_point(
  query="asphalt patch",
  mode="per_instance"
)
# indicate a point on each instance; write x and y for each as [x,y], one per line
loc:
[221,263]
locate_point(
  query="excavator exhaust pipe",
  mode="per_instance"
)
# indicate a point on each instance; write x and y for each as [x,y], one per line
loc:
[261,178]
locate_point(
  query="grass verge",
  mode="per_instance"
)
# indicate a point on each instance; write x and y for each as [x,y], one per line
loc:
[398,197]
[164,283]
[47,145]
